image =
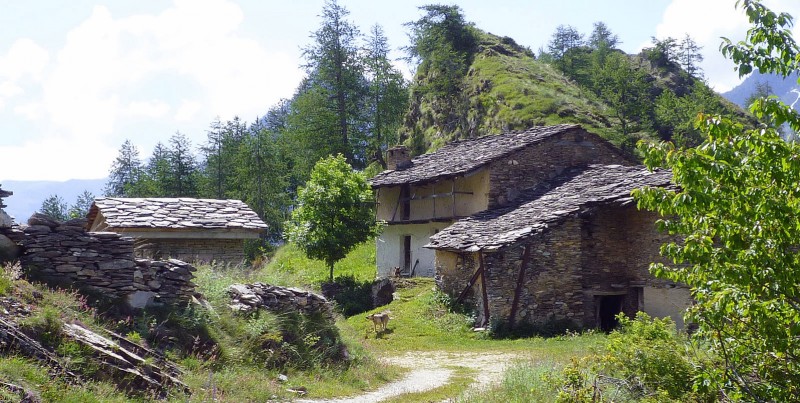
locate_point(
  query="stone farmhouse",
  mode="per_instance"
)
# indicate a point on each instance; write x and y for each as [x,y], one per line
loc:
[534,227]
[192,230]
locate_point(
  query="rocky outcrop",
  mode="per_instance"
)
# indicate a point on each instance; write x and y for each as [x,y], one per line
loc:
[250,297]
[9,250]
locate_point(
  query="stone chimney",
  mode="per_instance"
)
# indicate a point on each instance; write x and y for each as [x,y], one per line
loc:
[397,158]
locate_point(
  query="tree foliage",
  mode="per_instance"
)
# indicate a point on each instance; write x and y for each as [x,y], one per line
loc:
[55,207]
[735,212]
[125,171]
[81,206]
[334,212]
[335,81]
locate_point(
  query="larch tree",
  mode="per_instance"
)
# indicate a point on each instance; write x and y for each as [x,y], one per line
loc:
[387,95]
[336,76]
[125,171]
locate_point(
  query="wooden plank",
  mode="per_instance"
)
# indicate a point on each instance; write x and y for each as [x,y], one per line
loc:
[470,284]
[518,290]
[484,294]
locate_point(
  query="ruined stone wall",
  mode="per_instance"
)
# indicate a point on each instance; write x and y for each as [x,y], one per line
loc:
[218,251]
[250,297]
[546,160]
[99,262]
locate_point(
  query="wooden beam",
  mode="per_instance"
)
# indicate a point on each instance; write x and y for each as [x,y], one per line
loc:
[518,290]
[484,294]
[472,280]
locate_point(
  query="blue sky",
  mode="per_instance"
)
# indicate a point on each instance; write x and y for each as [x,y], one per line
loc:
[77,78]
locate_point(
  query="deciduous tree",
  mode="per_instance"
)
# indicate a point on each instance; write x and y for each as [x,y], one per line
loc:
[735,211]
[334,212]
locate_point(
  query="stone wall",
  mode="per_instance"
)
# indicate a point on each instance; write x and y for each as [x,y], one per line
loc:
[250,297]
[541,162]
[571,268]
[219,251]
[99,262]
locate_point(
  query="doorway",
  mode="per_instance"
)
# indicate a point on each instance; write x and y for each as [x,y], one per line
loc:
[608,307]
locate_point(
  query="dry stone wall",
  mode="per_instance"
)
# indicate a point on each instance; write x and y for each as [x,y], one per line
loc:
[99,262]
[250,297]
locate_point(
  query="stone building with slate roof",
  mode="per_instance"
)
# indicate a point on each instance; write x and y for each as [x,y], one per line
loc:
[192,230]
[534,227]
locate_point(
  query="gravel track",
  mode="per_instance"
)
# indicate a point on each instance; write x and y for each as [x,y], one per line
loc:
[433,369]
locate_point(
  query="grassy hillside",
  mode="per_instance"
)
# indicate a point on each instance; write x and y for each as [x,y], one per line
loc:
[507,88]
[233,358]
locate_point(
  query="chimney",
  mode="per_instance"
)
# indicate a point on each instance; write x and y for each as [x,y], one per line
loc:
[397,158]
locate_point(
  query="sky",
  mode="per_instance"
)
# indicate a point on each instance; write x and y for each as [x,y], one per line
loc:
[78,78]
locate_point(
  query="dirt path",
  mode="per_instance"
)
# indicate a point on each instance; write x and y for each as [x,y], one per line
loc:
[432,369]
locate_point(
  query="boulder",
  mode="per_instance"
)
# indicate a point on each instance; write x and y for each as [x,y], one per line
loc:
[9,251]
[5,220]
[43,219]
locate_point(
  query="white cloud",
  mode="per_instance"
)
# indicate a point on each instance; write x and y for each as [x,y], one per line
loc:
[188,110]
[55,158]
[706,22]
[173,70]
[147,109]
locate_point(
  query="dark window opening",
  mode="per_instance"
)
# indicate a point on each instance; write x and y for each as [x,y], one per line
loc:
[608,307]
[405,197]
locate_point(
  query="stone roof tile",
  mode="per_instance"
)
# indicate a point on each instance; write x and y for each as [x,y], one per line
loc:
[547,205]
[176,213]
[464,156]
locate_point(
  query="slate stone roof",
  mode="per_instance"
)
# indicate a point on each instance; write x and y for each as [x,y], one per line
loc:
[548,205]
[464,156]
[180,213]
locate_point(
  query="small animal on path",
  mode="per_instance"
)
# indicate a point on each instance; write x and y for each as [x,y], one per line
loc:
[379,320]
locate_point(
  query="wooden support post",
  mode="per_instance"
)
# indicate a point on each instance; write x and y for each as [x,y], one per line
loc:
[470,284]
[484,294]
[453,192]
[518,290]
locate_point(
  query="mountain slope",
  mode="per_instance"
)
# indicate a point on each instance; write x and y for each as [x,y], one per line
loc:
[781,87]
[507,88]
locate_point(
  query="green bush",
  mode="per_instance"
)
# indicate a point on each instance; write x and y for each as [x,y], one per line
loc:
[646,359]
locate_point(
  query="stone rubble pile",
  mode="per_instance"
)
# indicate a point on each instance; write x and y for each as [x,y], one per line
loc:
[250,297]
[101,262]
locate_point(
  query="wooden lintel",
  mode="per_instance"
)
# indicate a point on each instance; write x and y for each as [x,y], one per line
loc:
[518,290]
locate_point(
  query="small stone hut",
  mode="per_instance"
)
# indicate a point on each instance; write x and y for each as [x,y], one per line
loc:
[192,230]
[573,250]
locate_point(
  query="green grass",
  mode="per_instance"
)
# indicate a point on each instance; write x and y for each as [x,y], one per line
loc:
[523,382]
[227,357]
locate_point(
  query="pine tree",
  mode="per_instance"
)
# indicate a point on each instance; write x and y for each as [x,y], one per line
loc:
[82,205]
[387,95]
[54,207]
[125,171]
[335,76]
[690,56]
[183,171]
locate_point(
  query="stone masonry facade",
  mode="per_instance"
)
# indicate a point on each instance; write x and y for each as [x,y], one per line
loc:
[219,251]
[531,166]
[572,265]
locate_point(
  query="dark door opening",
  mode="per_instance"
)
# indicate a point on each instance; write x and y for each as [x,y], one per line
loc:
[407,254]
[608,307]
